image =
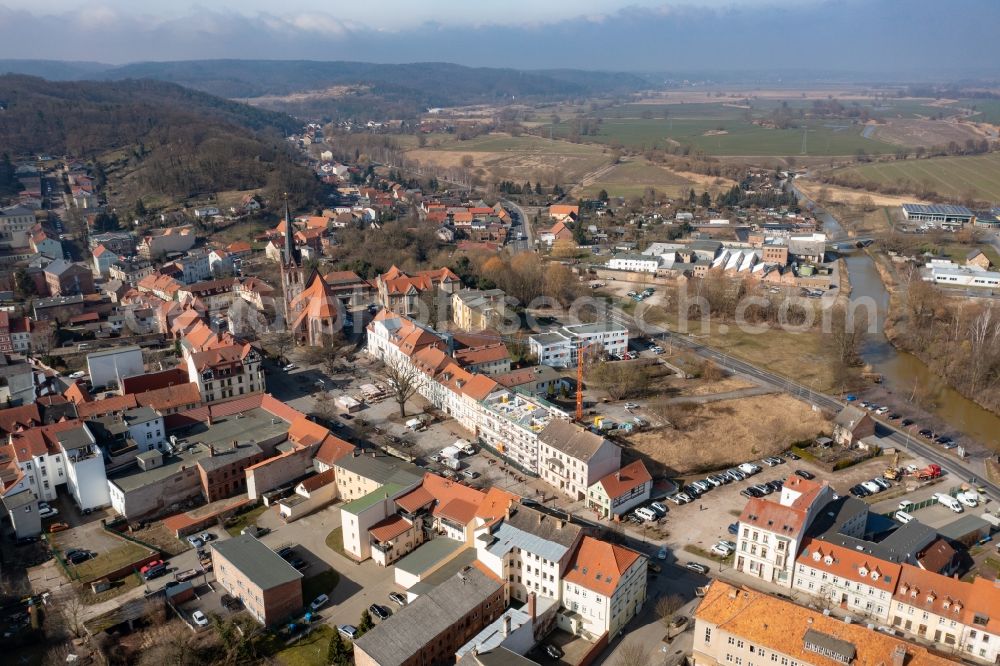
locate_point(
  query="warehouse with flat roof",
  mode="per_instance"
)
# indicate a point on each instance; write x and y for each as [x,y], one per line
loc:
[944,214]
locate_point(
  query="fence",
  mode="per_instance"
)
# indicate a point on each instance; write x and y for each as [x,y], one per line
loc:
[923,504]
[110,530]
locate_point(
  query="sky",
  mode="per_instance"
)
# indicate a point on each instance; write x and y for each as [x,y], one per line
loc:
[904,36]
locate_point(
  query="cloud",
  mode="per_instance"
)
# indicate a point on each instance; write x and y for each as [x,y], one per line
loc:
[867,36]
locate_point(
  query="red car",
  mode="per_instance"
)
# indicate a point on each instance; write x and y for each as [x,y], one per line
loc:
[150,565]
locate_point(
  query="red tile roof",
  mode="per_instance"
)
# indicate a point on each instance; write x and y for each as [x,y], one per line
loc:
[390,528]
[631,476]
[598,565]
[154,380]
[319,480]
[849,564]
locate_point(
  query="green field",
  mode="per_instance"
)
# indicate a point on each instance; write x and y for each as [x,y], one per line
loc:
[988,109]
[501,143]
[977,175]
[633,178]
[719,130]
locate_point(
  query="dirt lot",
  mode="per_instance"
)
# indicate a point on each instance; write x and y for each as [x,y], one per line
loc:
[910,132]
[843,194]
[731,431]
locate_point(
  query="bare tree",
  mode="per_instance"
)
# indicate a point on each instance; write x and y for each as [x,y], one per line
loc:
[279,344]
[402,380]
[633,654]
[667,607]
[72,610]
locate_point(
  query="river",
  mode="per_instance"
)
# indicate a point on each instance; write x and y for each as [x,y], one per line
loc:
[903,372]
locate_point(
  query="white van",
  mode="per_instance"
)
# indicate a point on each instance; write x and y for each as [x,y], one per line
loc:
[646,513]
[948,501]
[902,517]
[969,499]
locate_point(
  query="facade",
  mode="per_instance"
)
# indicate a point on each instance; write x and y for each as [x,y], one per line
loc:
[15,224]
[103,258]
[619,491]
[736,625]
[969,275]
[944,215]
[852,425]
[530,550]
[603,589]
[222,472]
[159,242]
[315,313]
[490,359]
[401,292]
[572,459]
[770,533]
[559,348]
[639,263]
[847,578]
[65,278]
[476,309]
[269,587]
[226,373]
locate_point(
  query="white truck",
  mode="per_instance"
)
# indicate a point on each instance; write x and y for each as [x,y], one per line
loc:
[948,501]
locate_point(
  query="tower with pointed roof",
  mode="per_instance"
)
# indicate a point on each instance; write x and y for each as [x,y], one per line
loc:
[293,276]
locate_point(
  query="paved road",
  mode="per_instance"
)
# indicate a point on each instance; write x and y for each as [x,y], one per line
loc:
[523,224]
[961,471]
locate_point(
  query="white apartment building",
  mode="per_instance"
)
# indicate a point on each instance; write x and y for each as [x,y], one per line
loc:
[559,348]
[530,550]
[848,578]
[770,533]
[573,459]
[15,225]
[512,423]
[226,373]
[604,587]
[955,614]
[639,263]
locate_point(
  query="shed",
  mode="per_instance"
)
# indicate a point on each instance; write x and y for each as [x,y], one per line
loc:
[966,530]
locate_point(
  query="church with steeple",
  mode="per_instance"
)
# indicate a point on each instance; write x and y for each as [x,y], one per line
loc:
[293,272]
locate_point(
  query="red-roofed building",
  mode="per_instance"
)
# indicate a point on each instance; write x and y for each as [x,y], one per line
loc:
[619,491]
[154,380]
[771,533]
[604,587]
[226,373]
[399,291]
[315,313]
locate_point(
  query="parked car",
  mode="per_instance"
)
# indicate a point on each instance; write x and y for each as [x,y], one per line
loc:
[289,367]
[187,574]
[155,572]
[871,487]
[631,405]
[48,512]
[661,554]
[697,568]
[285,552]
[926,432]
[206,536]
[658,508]
[804,474]
[150,565]
[299,563]
[793,456]
[734,528]
[882,483]
[381,612]
[553,651]
[721,550]
[906,422]
[79,556]
[199,618]
[904,505]
[347,630]
[882,410]
[397,598]
[653,566]
[195,541]
[893,417]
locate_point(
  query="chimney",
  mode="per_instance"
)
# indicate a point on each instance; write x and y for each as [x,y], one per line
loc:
[560,524]
[899,655]
[531,607]
[506,626]
[211,450]
[541,517]
[208,421]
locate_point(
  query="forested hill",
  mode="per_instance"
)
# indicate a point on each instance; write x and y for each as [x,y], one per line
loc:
[439,84]
[167,140]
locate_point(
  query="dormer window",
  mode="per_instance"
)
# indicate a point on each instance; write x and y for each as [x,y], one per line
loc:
[931,598]
[914,593]
[828,560]
[945,604]
[957,608]
[904,589]
[874,575]
[863,571]
[816,556]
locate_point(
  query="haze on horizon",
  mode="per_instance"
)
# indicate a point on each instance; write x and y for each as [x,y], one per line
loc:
[902,37]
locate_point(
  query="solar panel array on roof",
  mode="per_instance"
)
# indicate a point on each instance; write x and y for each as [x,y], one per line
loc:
[937,209]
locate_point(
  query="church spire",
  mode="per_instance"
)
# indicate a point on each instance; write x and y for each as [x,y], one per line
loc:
[289,242]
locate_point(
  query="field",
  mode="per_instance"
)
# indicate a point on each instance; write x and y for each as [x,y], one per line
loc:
[726,131]
[916,132]
[632,178]
[730,431]
[987,110]
[976,175]
[516,158]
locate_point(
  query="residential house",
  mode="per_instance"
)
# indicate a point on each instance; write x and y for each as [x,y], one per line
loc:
[537,380]
[15,225]
[159,242]
[737,625]
[226,373]
[557,232]
[613,495]
[852,425]
[268,586]
[400,292]
[604,588]
[65,278]
[476,309]
[489,359]
[559,348]
[103,258]
[771,533]
[573,459]
[639,263]
[108,367]
[45,242]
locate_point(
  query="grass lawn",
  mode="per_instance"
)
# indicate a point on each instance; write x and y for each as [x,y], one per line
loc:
[109,561]
[118,587]
[310,651]
[321,583]
[805,357]
[951,176]
[335,541]
[247,518]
